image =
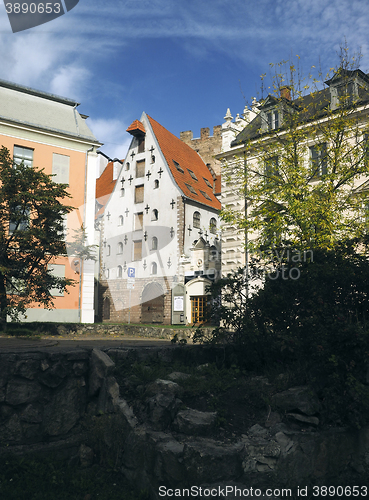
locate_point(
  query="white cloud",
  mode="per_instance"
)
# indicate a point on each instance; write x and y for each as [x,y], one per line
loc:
[67,79]
[113,134]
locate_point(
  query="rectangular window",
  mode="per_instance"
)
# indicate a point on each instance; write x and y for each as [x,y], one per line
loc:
[57,270]
[138,221]
[139,194]
[273,119]
[19,220]
[137,250]
[318,160]
[140,168]
[24,155]
[271,168]
[61,168]
[141,144]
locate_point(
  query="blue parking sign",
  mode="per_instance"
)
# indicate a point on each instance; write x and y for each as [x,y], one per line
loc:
[131,272]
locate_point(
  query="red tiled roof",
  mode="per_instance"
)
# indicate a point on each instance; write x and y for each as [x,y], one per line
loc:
[104,186]
[177,152]
[136,126]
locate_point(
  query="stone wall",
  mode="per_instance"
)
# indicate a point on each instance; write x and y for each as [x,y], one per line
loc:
[69,403]
[206,145]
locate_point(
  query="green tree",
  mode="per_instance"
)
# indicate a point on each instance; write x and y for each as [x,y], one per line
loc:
[32,234]
[302,163]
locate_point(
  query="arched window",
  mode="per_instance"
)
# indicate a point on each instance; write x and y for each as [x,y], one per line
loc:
[154,243]
[154,214]
[122,192]
[107,250]
[213,225]
[196,220]
[120,272]
[121,220]
[128,166]
[120,248]
[154,268]
[156,184]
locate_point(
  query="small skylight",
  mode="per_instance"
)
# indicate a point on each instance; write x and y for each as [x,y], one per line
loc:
[191,189]
[205,195]
[178,166]
[192,174]
[208,183]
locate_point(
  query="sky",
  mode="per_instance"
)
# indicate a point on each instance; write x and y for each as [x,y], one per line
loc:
[183,62]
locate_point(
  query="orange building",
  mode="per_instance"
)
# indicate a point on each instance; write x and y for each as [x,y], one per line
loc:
[46,131]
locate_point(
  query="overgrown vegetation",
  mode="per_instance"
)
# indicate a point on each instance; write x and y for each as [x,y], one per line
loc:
[315,325]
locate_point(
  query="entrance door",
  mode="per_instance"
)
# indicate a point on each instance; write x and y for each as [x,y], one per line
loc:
[198,309]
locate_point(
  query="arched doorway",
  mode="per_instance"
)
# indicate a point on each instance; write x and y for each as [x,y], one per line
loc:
[152,306]
[106,309]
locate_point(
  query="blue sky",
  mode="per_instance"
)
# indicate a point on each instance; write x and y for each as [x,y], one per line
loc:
[184,62]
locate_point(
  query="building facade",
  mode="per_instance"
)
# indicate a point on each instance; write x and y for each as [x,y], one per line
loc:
[160,235]
[315,144]
[46,131]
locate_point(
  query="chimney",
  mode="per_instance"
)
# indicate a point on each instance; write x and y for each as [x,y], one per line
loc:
[285,92]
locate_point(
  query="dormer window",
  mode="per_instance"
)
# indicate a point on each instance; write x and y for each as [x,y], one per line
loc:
[273,119]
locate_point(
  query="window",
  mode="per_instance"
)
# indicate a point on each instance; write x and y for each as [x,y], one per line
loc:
[20,219]
[57,270]
[139,194]
[122,192]
[318,159]
[120,248]
[61,168]
[196,220]
[154,214]
[138,221]
[24,155]
[107,250]
[137,250]
[121,219]
[154,243]
[273,119]
[156,184]
[119,272]
[271,168]
[141,144]
[191,189]
[140,168]
[213,225]
[128,165]
[207,182]
[192,174]
[205,195]
[178,166]
[154,268]
[345,93]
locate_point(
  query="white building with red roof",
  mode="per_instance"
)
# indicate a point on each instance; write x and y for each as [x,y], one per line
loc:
[160,232]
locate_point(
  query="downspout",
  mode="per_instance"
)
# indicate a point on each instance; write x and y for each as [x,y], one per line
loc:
[84,226]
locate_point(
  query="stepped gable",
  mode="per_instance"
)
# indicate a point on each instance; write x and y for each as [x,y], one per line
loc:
[177,153]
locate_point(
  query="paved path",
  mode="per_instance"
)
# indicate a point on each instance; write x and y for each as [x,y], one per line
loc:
[85,342]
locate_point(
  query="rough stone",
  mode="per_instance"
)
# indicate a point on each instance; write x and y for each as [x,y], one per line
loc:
[208,460]
[178,376]
[161,410]
[165,386]
[32,413]
[22,391]
[65,409]
[53,377]
[297,398]
[27,368]
[100,367]
[194,422]
[86,456]
[304,419]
